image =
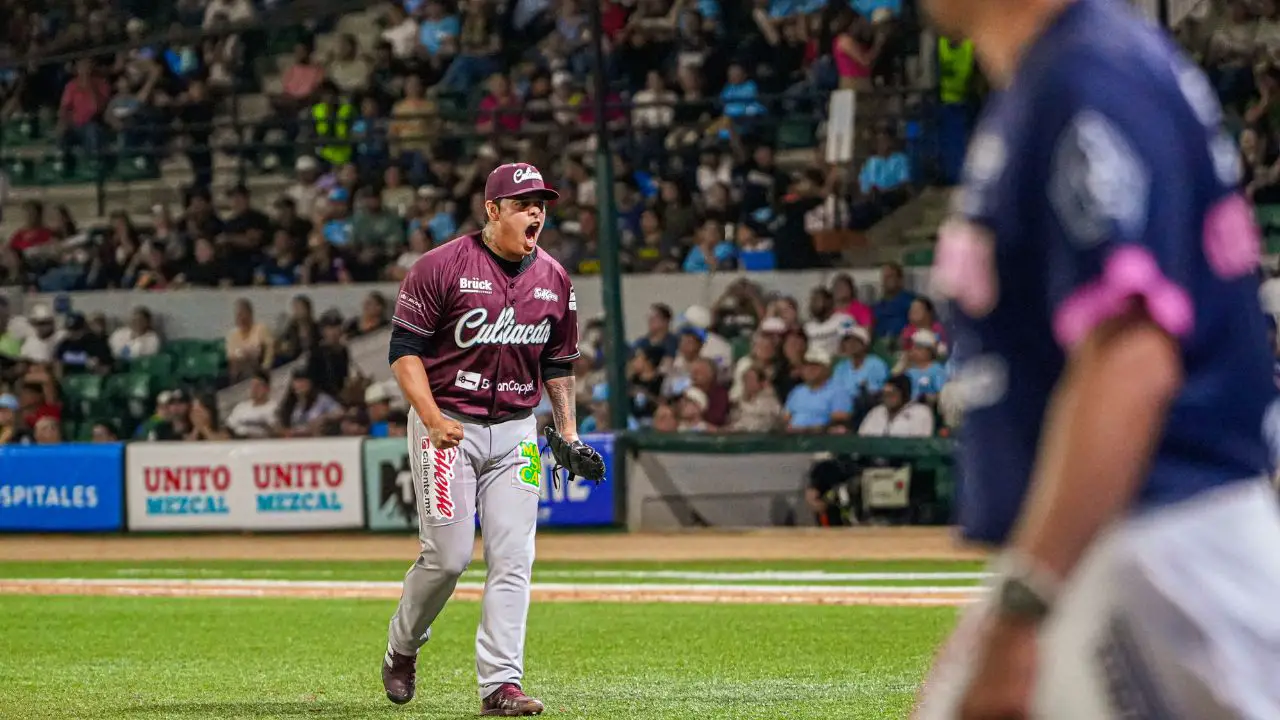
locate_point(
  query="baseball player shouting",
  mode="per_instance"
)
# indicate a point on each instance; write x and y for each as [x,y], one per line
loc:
[482,323]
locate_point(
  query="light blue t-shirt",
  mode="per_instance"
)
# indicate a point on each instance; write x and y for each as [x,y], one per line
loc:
[696,260]
[869,376]
[788,8]
[885,173]
[432,33]
[811,408]
[866,7]
[338,232]
[926,381]
[740,100]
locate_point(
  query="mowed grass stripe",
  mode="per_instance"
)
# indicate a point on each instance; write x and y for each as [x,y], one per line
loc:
[395,569]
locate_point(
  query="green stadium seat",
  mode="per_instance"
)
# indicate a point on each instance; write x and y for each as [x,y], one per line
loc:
[158,366]
[920,257]
[79,390]
[132,392]
[178,349]
[22,171]
[21,131]
[1268,216]
[796,133]
[741,346]
[201,366]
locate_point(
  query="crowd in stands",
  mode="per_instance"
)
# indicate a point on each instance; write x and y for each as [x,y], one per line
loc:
[390,139]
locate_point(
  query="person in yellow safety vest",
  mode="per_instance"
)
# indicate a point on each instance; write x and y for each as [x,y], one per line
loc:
[331,120]
[955,112]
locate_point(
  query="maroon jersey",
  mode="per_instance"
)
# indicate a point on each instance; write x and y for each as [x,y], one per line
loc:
[488,332]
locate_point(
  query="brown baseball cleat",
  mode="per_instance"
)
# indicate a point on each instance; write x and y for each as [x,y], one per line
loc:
[510,701]
[398,676]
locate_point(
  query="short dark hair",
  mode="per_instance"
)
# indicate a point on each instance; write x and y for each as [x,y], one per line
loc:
[662,309]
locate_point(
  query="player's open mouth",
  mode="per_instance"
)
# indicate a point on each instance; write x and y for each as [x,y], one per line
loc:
[531,232]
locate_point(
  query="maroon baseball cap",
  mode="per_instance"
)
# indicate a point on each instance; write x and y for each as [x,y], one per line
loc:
[517,180]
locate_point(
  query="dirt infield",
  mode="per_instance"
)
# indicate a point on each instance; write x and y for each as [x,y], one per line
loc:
[542,592]
[773,544]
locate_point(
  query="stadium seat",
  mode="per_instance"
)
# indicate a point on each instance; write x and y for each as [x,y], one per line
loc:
[134,390]
[920,257]
[159,367]
[200,367]
[82,394]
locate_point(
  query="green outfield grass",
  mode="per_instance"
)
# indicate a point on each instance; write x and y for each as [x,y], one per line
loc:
[551,571]
[112,657]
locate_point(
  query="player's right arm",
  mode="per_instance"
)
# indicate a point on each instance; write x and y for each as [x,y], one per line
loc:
[419,308]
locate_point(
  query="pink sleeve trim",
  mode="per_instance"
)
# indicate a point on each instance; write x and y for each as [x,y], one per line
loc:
[1129,272]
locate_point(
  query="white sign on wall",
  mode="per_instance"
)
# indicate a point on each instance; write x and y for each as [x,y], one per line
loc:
[312,484]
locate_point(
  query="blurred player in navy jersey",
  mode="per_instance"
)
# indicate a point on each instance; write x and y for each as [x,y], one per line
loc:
[1113,363]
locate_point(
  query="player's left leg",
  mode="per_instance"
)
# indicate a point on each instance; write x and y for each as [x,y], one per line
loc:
[507,499]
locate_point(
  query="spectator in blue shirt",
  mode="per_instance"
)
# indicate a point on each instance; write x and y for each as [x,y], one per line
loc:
[658,333]
[894,307]
[860,373]
[739,95]
[438,29]
[926,373]
[713,251]
[337,228]
[283,265]
[884,182]
[817,405]
[867,8]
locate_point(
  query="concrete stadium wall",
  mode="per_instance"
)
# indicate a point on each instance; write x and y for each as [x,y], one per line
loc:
[207,313]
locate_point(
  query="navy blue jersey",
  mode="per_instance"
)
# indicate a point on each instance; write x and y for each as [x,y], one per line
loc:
[1100,177]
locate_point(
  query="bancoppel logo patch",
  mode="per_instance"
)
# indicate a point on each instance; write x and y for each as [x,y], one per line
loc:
[473,285]
[573,300]
[516,387]
[468,380]
[408,301]
[544,294]
[525,175]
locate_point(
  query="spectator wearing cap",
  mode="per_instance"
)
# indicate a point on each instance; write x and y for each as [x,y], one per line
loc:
[825,327]
[714,347]
[378,403]
[817,405]
[757,409]
[922,367]
[338,229]
[858,372]
[39,345]
[354,422]
[174,422]
[245,231]
[137,339]
[898,415]
[81,351]
[306,191]
[11,432]
[306,410]
[658,333]
[692,411]
[256,416]
[892,309]
[250,346]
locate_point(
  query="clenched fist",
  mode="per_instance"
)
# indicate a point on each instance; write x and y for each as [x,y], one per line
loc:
[445,434]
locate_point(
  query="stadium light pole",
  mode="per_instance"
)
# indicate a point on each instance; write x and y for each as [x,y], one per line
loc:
[615,343]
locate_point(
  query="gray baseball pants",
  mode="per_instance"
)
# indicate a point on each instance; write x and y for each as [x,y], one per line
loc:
[496,471]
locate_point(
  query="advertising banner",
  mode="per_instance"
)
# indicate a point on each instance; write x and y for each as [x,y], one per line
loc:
[311,484]
[389,488]
[62,488]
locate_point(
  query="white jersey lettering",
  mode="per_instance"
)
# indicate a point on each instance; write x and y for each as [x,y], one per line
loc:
[503,331]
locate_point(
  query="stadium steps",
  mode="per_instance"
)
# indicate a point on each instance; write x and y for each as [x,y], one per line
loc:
[907,235]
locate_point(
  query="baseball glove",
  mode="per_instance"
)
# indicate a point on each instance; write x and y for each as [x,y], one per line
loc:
[577,457]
